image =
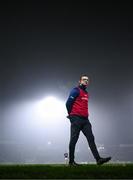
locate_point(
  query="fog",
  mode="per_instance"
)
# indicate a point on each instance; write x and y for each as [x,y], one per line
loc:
[38,131]
[45,48]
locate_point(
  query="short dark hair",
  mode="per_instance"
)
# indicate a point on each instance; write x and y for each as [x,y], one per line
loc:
[83,75]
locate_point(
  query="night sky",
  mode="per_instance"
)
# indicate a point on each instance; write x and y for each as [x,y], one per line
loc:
[45,47]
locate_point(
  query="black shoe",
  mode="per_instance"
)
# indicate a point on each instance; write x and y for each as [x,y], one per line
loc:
[73,164]
[103,160]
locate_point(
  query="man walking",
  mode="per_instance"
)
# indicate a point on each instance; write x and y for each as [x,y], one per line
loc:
[77,108]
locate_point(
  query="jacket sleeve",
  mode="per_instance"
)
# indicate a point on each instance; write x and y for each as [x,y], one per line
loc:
[72,96]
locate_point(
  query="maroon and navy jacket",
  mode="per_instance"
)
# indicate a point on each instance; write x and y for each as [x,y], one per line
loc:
[77,102]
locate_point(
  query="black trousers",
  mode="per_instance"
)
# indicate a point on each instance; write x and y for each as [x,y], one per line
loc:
[81,124]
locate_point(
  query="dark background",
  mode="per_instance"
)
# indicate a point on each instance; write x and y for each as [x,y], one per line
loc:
[45,47]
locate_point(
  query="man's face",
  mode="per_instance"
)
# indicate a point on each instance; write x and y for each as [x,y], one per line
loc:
[84,81]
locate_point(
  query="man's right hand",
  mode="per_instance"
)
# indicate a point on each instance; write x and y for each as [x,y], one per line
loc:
[68,116]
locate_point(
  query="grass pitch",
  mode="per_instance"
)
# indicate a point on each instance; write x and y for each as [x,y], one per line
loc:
[55,171]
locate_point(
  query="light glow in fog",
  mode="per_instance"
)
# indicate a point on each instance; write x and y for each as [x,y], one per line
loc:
[50,107]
